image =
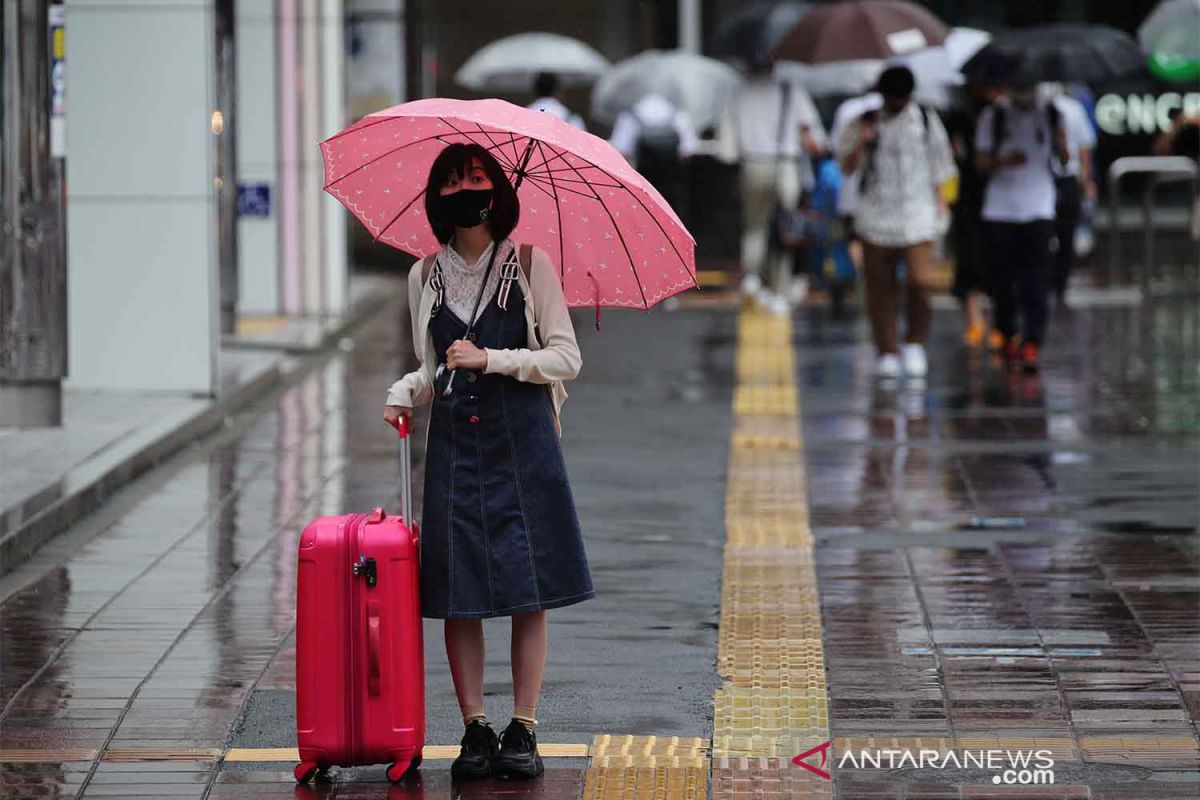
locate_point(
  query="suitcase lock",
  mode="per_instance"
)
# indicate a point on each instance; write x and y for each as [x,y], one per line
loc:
[365,566]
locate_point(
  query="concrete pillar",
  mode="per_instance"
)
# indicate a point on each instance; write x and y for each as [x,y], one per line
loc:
[33,252]
[689,26]
[258,155]
[333,118]
[142,290]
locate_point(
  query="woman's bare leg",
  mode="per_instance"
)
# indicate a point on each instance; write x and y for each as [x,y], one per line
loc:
[528,663]
[464,651]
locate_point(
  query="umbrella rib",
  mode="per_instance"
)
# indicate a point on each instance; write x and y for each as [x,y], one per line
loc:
[402,212]
[551,181]
[562,267]
[470,136]
[543,175]
[637,278]
[496,146]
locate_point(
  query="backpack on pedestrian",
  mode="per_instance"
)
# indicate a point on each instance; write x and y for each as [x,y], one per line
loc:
[1000,126]
[869,168]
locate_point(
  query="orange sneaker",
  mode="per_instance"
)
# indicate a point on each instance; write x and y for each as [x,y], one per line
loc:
[973,336]
[1029,356]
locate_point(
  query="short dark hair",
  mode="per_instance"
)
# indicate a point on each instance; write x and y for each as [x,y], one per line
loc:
[506,208]
[896,81]
[545,84]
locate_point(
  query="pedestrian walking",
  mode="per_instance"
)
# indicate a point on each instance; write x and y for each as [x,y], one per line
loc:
[902,156]
[546,87]
[847,114]
[772,129]
[1015,141]
[1074,184]
[658,138]
[971,281]
[500,534]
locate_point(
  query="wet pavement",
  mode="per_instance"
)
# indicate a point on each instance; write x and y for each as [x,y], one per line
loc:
[1008,561]
[1000,563]
[141,644]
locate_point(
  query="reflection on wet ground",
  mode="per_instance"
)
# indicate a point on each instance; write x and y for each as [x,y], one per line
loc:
[1001,562]
[1010,561]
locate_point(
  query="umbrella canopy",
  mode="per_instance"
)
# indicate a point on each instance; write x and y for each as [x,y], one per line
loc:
[1087,53]
[615,240]
[700,86]
[1171,37]
[937,70]
[750,34]
[511,64]
[855,31]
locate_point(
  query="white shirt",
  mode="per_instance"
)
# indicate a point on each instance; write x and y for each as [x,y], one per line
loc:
[1024,193]
[849,111]
[552,105]
[898,206]
[652,111]
[754,124]
[1080,133]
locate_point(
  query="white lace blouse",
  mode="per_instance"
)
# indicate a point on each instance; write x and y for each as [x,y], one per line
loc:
[460,280]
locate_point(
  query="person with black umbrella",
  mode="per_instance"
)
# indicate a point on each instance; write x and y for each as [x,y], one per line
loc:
[1015,142]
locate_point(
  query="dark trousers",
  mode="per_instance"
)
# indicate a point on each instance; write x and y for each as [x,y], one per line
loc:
[1020,262]
[1068,208]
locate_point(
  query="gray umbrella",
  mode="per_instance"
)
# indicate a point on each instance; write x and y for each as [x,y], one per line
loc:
[698,85]
[750,33]
[511,64]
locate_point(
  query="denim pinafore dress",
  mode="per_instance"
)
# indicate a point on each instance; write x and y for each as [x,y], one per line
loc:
[500,535]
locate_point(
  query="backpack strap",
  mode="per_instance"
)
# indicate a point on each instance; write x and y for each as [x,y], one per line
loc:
[525,259]
[999,128]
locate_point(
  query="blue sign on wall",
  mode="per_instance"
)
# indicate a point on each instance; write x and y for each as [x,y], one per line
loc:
[254,200]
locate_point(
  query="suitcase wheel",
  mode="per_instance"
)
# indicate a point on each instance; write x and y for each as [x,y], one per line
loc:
[305,770]
[397,771]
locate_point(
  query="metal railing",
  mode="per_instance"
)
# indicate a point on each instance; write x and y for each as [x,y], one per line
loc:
[1158,170]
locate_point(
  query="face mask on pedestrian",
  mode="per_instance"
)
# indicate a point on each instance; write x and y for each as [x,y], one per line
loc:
[467,208]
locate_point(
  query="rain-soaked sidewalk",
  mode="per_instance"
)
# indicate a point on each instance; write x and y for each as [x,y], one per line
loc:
[1008,562]
[985,562]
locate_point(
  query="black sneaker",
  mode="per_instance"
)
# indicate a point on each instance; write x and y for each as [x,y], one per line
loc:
[518,757]
[479,749]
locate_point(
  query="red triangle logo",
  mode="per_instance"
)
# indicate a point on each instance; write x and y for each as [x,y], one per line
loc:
[823,749]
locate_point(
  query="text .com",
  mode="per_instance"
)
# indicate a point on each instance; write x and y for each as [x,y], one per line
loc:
[1009,767]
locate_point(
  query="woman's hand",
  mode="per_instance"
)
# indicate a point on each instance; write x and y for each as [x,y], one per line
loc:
[465,355]
[392,414]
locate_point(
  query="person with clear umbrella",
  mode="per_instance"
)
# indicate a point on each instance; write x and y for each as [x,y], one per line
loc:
[545,86]
[772,129]
[658,138]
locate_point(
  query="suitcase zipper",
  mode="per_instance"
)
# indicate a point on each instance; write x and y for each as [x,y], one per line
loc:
[353,713]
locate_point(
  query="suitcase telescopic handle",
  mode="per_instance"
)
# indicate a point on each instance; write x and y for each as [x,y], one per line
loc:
[404,427]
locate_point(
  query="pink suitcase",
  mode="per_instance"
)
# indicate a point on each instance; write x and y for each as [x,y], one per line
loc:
[360,666]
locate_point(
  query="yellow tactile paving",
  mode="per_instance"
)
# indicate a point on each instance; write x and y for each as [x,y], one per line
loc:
[769,650]
[648,751]
[646,783]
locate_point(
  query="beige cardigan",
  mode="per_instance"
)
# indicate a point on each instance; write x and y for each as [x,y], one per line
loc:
[551,358]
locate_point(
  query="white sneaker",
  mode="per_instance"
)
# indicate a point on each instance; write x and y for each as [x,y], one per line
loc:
[798,290]
[751,284]
[915,363]
[778,305]
[888,366]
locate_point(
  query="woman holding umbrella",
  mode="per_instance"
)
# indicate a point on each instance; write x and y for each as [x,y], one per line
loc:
[500,534]
[461,182]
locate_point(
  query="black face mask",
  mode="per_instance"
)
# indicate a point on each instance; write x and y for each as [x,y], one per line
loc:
[467,208]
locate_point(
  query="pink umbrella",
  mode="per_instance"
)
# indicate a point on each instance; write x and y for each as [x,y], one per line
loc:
[615,239]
